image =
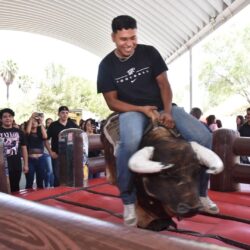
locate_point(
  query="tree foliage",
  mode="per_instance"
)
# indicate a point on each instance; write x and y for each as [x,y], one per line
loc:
[74,92]
[8,72]
[226,72]
[25,83]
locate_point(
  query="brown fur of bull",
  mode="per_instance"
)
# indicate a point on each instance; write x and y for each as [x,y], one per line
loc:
[171,192]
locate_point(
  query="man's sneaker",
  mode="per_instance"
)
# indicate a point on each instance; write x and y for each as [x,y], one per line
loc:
[208,206]
[129,215]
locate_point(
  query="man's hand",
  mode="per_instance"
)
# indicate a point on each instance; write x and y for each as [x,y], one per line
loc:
[151,112]
[166,119]
[25,169]
[53,155]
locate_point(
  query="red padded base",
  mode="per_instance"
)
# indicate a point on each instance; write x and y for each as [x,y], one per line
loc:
[101,200]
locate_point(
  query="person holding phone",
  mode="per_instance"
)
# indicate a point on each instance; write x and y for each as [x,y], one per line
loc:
[36,135]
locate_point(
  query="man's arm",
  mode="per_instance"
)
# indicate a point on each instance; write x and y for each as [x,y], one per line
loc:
[166,96]
[51,152]
[115,104]
[25,159]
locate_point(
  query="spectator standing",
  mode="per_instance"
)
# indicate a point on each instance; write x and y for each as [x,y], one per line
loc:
[219,123]
[53,132]
[81,124]
[48,121]
[211,122]
[14,148]
[49,176]
[244,130]
[197,113]
[89,128]
[36,135]
[239,121]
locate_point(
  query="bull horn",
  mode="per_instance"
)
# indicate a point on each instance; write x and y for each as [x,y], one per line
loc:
[140,162]
[208,158]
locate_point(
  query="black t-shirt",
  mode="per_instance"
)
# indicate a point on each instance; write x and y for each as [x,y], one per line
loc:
[14,138]
[245,130]
[134,79]
[54,129]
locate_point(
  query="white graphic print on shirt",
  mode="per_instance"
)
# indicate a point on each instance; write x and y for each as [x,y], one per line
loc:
[132,75]
[11,142]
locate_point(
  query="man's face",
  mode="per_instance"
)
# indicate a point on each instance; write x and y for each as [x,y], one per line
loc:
[7,120]
[126,41]
[63,115]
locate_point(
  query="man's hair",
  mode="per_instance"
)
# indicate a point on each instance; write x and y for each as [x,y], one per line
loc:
[6,110]
[196,112]
[63,108]
[123,22]
[248,109]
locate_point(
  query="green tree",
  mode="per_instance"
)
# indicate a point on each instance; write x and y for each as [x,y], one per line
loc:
[226,72]
[8,72]
[75,92]
[55,73]
[24,83]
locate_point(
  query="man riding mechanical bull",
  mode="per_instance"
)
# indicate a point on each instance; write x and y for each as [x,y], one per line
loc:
[134,83]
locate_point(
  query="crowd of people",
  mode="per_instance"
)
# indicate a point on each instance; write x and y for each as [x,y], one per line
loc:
[32,147]
[212,123]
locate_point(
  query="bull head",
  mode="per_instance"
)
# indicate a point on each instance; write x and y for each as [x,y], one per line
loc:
[141,161]
[168,169]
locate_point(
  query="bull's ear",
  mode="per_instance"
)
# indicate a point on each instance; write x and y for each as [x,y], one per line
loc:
[208,158]
[140,162]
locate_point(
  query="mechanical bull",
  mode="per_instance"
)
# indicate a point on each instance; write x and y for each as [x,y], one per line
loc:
[166,176]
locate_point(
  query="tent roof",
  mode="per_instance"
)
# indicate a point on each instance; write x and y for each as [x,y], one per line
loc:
[172,26]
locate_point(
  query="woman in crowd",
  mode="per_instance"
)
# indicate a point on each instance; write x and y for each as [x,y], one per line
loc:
[36,134]
[211,122]
[90,127]
[49,176]
[239,121]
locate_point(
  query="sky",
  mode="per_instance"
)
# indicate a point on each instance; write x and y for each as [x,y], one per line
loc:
[33,52]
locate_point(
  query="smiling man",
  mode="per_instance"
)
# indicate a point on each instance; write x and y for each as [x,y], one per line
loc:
[134,82]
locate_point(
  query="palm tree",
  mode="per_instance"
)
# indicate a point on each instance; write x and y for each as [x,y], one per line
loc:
[8,72]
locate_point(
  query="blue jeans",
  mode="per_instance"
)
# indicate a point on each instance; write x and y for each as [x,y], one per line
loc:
[192,129]
[49,177]
[55,166]
[36,166]
[132,126]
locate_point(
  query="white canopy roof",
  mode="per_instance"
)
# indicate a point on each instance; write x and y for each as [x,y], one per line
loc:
[172,26]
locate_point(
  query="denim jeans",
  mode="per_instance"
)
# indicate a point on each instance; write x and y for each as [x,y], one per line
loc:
[132,126]
[49,176]
[36,166]
[55,166]
[192,129]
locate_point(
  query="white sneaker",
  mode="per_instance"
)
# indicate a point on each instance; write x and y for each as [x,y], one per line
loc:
[208,206]
[129,215]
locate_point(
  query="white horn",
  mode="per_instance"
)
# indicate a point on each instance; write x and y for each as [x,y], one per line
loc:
[208,158]
[140,162]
